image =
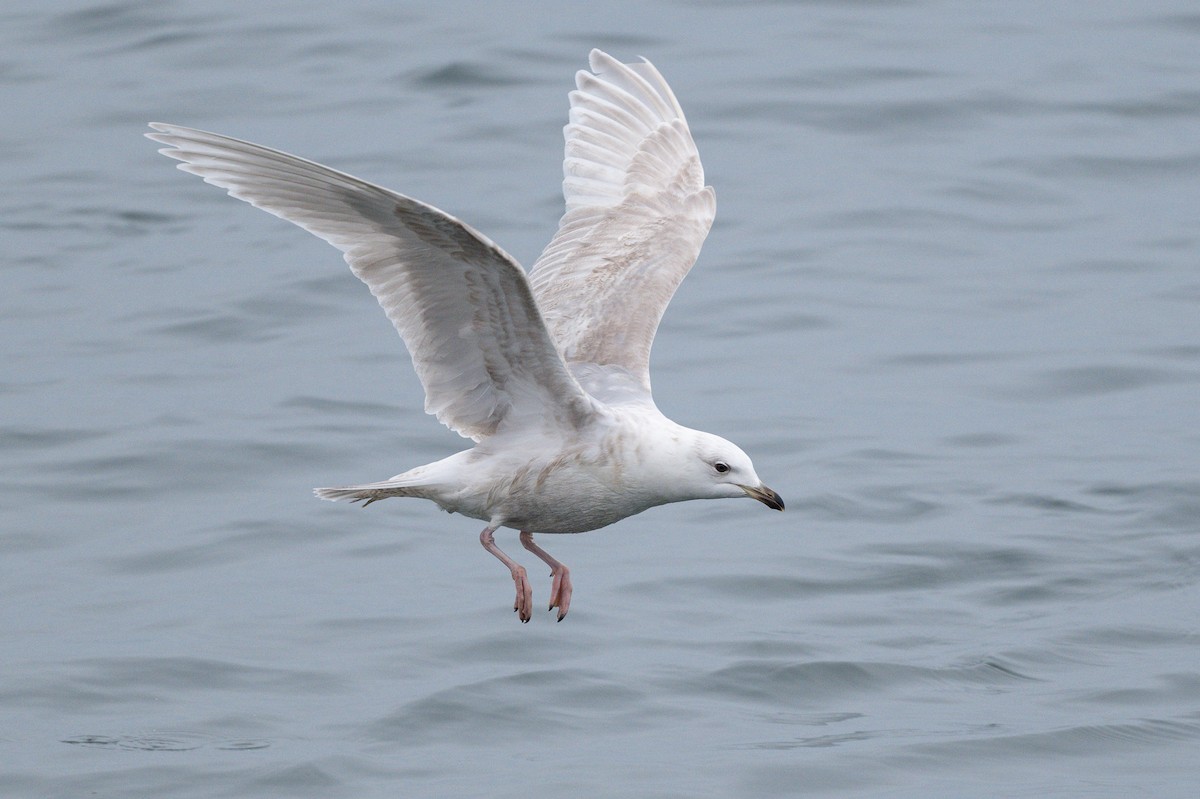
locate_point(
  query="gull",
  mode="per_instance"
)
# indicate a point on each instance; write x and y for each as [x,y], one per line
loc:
[548,373]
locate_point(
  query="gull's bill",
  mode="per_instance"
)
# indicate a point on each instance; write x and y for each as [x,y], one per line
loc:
[764,495]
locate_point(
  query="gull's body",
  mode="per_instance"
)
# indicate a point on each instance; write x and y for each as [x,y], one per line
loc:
[548,374]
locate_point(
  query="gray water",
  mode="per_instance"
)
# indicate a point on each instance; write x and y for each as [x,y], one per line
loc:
[951,306]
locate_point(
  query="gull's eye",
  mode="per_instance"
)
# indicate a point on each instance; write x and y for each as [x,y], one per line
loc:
[721,466]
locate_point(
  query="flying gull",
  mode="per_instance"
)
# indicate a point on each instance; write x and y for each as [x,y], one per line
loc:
[548,373]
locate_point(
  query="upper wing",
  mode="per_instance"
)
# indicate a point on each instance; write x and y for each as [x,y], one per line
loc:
[637,214]
[462,305]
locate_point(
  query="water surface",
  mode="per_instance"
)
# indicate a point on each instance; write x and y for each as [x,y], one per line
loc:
[950,305]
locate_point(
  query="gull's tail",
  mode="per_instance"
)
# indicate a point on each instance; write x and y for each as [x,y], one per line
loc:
[428,482]
[370,492]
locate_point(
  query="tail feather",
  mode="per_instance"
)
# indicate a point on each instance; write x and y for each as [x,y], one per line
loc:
[369,492]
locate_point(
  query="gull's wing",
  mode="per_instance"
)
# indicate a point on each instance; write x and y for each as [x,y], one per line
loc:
[637,213]
[462,305]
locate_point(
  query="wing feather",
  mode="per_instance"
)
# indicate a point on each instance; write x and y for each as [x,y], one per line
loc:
[463,307]
[637,214]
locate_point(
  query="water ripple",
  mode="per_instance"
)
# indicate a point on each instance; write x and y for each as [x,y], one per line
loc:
[464,73]
[1086,739]
[1086,381]
[783,684]
[167,741]
[566,700]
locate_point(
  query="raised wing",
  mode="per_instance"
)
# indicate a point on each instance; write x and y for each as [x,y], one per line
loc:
[637,214]
[463,306]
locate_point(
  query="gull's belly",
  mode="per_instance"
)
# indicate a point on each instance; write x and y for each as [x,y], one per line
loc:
[550,512]
[564,495]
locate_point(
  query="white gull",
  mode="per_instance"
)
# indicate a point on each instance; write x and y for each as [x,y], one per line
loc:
[548,374]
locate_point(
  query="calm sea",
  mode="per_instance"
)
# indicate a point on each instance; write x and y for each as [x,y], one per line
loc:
[951,306]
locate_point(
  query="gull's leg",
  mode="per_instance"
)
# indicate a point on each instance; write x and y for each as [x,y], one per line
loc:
[523,607]
[560,588]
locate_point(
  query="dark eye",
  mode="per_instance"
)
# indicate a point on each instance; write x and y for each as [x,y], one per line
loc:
[721,466]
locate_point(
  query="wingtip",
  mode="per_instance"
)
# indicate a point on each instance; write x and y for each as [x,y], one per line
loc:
[599,61]
[160,131]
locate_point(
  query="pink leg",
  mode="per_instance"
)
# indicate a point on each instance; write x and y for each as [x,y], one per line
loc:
[523,607]
[560,588]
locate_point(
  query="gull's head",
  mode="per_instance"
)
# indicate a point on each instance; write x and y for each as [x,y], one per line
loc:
[718,468]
